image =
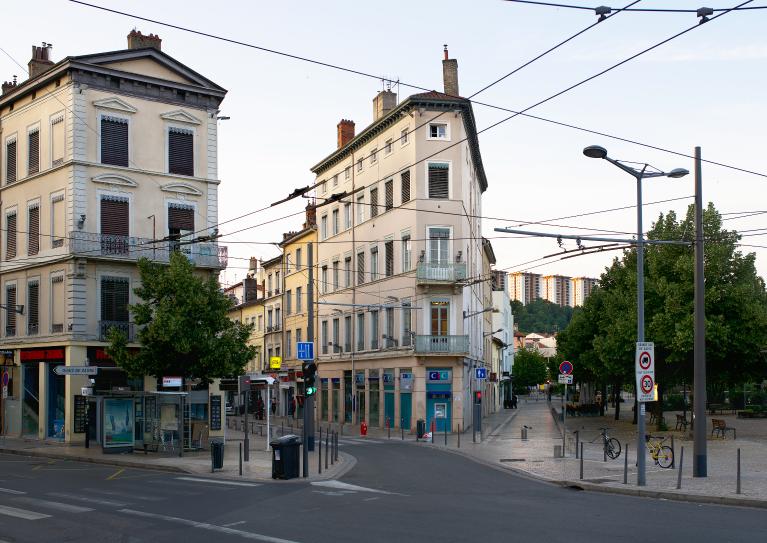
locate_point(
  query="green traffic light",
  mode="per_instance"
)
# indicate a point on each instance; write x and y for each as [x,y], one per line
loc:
[310,391]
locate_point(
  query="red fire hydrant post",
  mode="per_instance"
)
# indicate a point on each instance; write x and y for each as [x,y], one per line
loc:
[363,428]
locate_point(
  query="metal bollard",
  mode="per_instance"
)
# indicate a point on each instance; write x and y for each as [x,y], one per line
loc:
[445,432]
[319,453]
[240,459]
[327,442]
[737,491]
[679,473]
[673,452]
[459,435]
[336,446]
[402,427]
[577,442]
[581,458]
[332,449]
[626,466]
[282,428]
[388,426]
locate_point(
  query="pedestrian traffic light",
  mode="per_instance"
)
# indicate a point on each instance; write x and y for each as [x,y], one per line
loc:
[309,369]
[478,396]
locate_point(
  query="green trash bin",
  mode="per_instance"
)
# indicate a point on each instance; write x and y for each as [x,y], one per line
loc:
[286,457]
[420,428]
[217,455]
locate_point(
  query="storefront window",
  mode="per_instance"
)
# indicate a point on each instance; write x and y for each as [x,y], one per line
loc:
[56,402]
[373,383]
[348,403]
[30,418]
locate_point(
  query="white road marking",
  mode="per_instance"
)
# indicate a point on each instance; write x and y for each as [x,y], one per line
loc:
[234,523]
[21,513]
[125,495]
[338,485]
[55,505]
[86,500]
[206,526]
[215,481]
[11,491]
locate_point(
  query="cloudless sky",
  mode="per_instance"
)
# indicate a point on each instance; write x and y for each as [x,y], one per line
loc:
[705,88]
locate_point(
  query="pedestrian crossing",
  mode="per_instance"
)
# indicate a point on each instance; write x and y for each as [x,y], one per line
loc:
[358,441]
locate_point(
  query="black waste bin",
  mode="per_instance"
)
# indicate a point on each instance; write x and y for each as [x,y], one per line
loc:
[286,454]
[420,428]
[216,455]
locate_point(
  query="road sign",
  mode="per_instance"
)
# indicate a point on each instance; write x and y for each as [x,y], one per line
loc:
[481,373]
[566,368]
[172,381]
[6,378]
[305,350]
[76,370]
[275,362]
[645,371]
[566,379]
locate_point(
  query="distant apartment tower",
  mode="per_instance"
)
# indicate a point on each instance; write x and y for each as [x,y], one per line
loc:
[524,287]
[556,289]
[581,289]
[499,280]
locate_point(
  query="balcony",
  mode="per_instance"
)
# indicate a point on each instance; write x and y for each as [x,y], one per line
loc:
[204,255]
[436,273]
[442,344]
[125,327]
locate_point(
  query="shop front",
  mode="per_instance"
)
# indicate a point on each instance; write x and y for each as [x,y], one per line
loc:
[439,382]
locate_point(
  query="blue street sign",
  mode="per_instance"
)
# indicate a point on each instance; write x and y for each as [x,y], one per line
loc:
[481,373]
[305,350]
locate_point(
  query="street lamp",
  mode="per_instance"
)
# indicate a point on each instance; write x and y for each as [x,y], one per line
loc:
[596,151]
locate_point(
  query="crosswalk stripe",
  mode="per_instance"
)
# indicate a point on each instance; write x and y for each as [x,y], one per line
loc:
[21,513]
[124,495]
[11,491]
[54,505]
[75,497]
[215,481]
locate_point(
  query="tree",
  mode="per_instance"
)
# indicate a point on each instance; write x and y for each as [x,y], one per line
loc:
[529,369]
[183,326]
[541,316]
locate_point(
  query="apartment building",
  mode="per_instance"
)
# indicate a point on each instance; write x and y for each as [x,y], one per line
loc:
[556,289]
[104,158]
[401,324]
[581,288]
[503,334]
[524,287]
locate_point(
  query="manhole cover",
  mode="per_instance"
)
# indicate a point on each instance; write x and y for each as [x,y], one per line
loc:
[512,459]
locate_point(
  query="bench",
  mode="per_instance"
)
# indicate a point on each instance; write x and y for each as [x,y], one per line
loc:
[721,409]
[720,427]
[681,422]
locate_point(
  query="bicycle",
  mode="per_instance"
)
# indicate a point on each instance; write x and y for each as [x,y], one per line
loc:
[663,455]
[612,446]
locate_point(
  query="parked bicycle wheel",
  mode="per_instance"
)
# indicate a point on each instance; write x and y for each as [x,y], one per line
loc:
[613,448]
[665,457]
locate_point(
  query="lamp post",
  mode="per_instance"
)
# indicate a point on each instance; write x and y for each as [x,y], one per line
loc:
[595,151]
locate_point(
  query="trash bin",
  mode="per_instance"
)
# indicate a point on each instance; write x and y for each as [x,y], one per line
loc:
[420,428]
[217,455]
[286,454]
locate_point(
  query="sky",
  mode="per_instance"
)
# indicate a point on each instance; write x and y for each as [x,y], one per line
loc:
[705,88]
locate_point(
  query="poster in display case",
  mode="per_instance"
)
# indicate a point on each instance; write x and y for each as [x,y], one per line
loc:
[118,423]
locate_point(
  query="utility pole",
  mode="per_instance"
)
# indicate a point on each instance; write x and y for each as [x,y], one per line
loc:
[641,446]
[699,459]
[309,399]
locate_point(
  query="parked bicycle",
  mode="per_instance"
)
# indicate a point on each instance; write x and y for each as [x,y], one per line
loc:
[663,455]
[612,446]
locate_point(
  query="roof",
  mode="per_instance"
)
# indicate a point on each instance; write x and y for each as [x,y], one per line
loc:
[292,236]
[488,248]
[271,262]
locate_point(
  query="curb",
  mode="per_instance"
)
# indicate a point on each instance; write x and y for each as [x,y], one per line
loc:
[105,461]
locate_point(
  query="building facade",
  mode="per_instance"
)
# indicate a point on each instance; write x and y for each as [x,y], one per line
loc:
[581,289]
[556,289]
[524,287]
[503,335]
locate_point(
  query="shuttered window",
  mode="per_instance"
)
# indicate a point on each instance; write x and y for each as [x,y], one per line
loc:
[389,190]
[10,236]
[438,180]
[180,151]
[33,230]
[114,299]
[114,141]
[57,221]
[373,263]
[389,257]
[33,308]
[115,225]
[360,268]
[373,202]
[33,158]
[58,304]
[180,223]
[57,140]
[10,162]
[10,310]
[405,178]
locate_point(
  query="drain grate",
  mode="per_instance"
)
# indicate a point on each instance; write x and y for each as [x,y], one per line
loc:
[512,459]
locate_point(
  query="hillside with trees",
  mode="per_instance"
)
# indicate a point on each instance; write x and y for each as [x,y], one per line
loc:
[541,316]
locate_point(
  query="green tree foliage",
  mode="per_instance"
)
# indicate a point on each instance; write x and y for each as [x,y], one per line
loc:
[183,326]
[529,369]
[541,316]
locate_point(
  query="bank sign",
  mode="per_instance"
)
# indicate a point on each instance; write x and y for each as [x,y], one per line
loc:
[439,376]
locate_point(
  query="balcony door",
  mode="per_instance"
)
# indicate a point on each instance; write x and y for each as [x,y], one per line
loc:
[180,226]
[440,326]
[439,246]
[115,225]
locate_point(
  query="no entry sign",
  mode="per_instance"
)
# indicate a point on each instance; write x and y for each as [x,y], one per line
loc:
[645,371]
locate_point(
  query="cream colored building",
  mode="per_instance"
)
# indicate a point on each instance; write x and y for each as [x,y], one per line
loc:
[101,155]
[581,289]
[556,289]
[524,286]
[397,210]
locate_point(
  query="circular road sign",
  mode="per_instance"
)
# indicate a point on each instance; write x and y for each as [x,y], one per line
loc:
[566,368]
[647,384]
[645,360]
[6,378]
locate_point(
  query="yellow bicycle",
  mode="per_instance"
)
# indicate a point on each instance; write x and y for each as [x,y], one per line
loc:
[663,455]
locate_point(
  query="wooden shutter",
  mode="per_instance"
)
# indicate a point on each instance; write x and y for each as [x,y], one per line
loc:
[58,220]
[180,217]
[33,158]
[33,307]
[373,202]
[33,230]
[360,268]
[57,140]
[58,304]
[10,300]
[389,256]
[438,181]
[180,151]
[405,186]
[10,162]
[10,239]
[114,299]
[389,190]
[114,141]
[115,225]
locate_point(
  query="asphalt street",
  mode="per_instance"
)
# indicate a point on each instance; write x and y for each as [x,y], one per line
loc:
[395,492]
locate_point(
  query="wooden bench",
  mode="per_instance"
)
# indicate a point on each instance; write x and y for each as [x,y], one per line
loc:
[720,427]
[681,422]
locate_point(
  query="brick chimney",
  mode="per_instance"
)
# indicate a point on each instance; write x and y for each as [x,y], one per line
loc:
[41,61]
[383,103]
[450,74]
[136,40]
[8,86]
[345,132]
[311,213]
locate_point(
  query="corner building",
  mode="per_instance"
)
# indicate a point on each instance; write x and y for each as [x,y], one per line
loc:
[400,262]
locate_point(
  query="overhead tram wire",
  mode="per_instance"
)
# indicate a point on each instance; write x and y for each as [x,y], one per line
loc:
[616,10]
[417,87]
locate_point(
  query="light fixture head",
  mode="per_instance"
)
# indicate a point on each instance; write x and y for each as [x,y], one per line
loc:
[595,151]
[676,173]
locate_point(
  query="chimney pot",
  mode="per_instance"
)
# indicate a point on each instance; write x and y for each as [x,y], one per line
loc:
[450,75]
[137,40]
[311,213]
[345,132]
[40,61]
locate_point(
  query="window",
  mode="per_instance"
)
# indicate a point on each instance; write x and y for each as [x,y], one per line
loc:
[33,151]
[439,240]
[277,283]
[298,335]
[387,148]
[360,268]
[348,172]
[438,180]
[324,227]
[438,131]
[299,299]
[288,344]
[57,140]
[324,336]
[288,260]
[288,302]
[405,179]
[335,221]
[336,336]
[360,331]
[33,308]
[439,318]
[10,235]
[10,161]
[373,263]
[181,151]
[324,280]
[277,318]
[114,301]
[389,194]
[180,225]
[389,258]
[347,216]
[336,274]
[359,165]
[335,180]
[114,141]
[298,259]
[323,187]
[348,333]
[406,253]
[374,329]
[373,203]
[348,271]
[10,302]
[58,304]
[360,208]
[33,229]
[391,341]
[260,323]
[407,322]
[403,136]
[58,221]
[373,156]
[269,287]
[269,320]
[115,224]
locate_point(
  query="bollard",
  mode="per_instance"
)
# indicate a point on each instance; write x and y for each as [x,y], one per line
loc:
[459,435]
[388,426]
[240,459]
[577,442]
[679,473]
[445,432]
[337,446]
[626,465]
[581,458]
[737,491]
[402,427]
[673,452]
[282,428]
[327,441]
[319,453]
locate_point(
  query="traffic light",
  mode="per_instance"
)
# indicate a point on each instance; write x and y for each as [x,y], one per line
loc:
[309,370]
[478,396]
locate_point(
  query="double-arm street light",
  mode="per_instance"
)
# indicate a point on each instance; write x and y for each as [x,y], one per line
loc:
[595,151]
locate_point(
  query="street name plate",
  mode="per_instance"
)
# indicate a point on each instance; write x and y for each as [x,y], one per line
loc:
[566,379]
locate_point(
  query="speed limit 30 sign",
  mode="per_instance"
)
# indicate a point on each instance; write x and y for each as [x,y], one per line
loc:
[645,371]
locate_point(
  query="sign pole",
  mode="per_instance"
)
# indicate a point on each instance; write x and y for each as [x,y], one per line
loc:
[564,420]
